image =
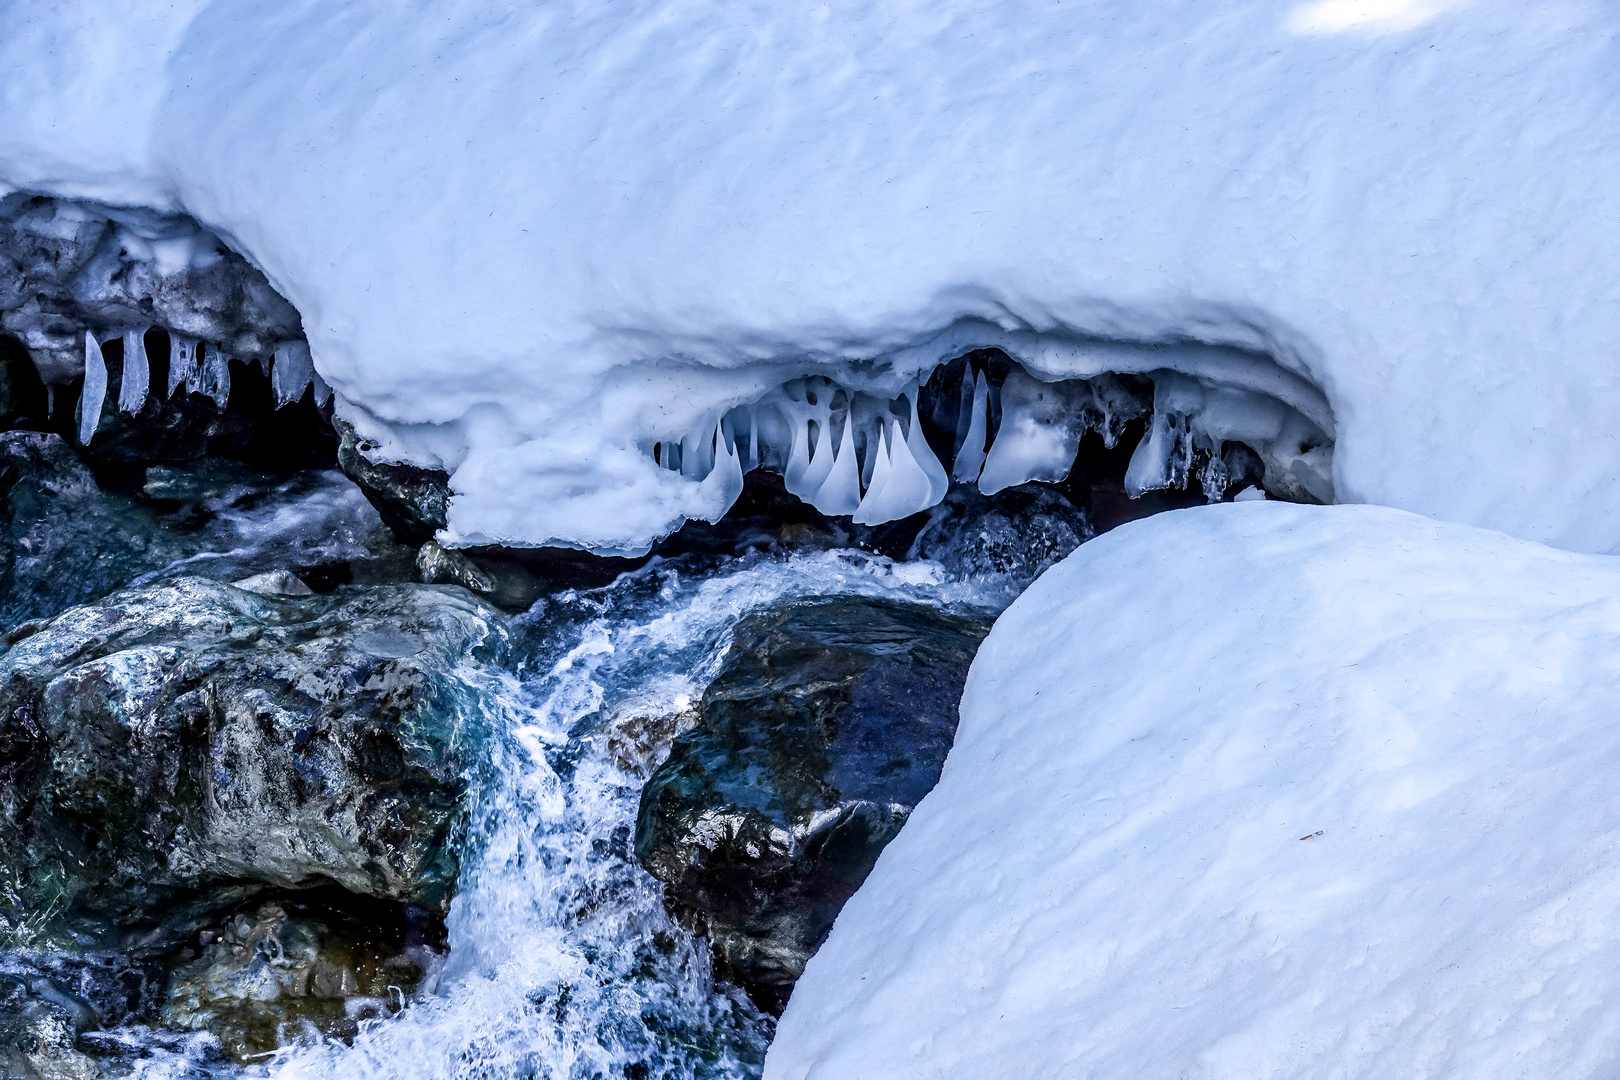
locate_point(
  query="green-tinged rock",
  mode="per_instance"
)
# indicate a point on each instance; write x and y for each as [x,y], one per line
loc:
[830,720]
[171,749]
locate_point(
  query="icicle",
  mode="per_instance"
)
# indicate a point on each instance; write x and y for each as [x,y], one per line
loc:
[95,389]
[1216,477]
[877,452]
[923,454]
[900,485]
[798,458]
[1150,464]
[697,454]
[50,399]
[1181,462]
[964,411]
[873,449]
[215,373]
[323,393]
[182,362]
[821,463]
[291,372]
[1041,425]
[970,458]
[840,493]
[137,373]
[725,480]
[753,442]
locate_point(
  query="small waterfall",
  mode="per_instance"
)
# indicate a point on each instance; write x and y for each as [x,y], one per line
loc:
[564,964]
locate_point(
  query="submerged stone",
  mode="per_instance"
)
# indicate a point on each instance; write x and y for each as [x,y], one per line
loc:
[268,976]
[40,1025]
[829,721]
[175,748]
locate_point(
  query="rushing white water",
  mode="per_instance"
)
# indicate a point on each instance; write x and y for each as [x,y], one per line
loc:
[564,963]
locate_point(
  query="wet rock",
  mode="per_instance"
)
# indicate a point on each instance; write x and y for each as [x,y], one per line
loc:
[439,565]
[1014,534]
[63,540]
[829,721]
[180,746]
[274,583]
[271,975]
[68,536]
[40,1025]
[412,501]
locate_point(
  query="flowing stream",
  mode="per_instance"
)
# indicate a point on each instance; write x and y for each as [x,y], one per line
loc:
[563,961]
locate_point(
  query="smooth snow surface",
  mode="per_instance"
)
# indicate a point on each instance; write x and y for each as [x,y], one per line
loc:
[527,244]
[1256,791]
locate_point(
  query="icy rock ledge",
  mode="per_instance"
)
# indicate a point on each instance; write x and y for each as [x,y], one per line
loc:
[854,453]
[75,275]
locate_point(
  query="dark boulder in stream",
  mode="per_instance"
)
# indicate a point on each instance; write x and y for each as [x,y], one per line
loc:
[829,721]
[171,750]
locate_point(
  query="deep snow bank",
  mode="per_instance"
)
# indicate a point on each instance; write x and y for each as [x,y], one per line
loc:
[529,245]
[1256,791]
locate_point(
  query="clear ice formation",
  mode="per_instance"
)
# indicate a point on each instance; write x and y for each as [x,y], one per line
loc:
[199,367]
[850,453]
[95,388]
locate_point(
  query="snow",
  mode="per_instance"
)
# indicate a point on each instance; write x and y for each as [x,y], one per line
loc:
[1256,790]
[527,245]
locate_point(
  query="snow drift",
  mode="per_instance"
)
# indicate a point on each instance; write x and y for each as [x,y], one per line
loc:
[529,245]
[1256,790]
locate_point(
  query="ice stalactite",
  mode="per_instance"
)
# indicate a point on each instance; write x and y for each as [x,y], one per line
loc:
[1190,416]
[137,373]
[710,457]
[95,389]
[845,453]
[906,475]
[848,452]
[973,429]
[1041,426]
[214,374]
[291,372]
[182,362]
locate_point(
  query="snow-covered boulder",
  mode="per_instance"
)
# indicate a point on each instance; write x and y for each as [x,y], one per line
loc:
[536,247]
[1256,791]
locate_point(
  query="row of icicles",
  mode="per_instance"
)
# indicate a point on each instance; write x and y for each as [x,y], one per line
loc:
[849,453]
[843,453]
[200,367]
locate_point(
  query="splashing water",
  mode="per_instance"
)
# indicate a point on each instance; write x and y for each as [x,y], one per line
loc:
[564,963]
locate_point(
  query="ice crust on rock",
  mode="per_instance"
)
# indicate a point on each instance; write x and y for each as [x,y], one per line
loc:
[631,235]
[1201,819]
